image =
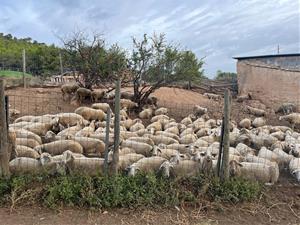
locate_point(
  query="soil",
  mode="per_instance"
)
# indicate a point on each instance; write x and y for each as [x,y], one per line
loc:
[280,204]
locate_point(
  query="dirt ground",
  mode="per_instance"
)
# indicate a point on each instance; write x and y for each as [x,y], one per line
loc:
[279,205]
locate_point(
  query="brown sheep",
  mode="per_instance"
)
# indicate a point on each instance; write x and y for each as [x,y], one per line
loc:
[68,89]
[97,95]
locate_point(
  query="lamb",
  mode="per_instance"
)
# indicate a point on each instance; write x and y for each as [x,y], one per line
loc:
[87,166]
[294,167]
[31,143]
[126,103]
[68,89]
[245,123]
[41,128]
[91,114]
[24,151]
[146,113]
[97,95]
[199,111]
[286,108]
[82,93]
[146,165]
[22,133]
[213,96]
[255,111]
[58,147]
[293,119]
[139,147]
[161,111]
[254,171]
[90,145]
[103,106]
[259,122]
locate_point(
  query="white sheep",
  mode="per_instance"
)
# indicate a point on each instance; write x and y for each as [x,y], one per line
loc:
[70,119]
[146,113]
[31,143]
[254,171]
[259,122]
[283,158]
[199,111]
[255,111]
[41,128]
[136,127]
[24,151]
[245,123]
[58,147]
[146,165]
[167,134]
[90,113]
[128,159]
[267,154]
[188,139]
[139,147]
[126,103]
[21,165]
[90,145]
[212,96]
[294,168]
[22,133]
[161,111]
[293,119]
[87,166]
[158,139]
[103,106]
[147,140]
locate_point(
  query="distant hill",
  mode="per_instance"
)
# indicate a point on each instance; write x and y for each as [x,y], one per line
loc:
[41,59]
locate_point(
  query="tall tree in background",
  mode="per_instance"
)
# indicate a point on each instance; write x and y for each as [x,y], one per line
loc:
[87,55]
[225,75]
[155,63]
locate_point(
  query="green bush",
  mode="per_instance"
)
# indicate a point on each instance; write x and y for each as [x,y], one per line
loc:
[234,190]
[122,191]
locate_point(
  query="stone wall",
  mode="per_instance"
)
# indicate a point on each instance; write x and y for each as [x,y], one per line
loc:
[272,85]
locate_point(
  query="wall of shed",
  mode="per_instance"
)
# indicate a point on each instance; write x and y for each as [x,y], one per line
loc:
[272,86]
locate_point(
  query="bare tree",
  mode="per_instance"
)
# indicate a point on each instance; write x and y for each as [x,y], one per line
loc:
[155,63]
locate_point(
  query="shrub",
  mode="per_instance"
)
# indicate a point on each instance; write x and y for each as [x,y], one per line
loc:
[122,191]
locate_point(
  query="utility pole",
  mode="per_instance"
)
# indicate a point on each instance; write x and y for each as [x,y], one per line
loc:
[278,49]
[61,64]
[24,67]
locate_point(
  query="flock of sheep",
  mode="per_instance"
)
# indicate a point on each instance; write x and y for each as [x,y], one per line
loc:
[154,142]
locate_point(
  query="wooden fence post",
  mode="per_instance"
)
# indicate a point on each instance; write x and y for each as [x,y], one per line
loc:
[115,161]
[24,67]
[4,160]
[106,141]
[225,156]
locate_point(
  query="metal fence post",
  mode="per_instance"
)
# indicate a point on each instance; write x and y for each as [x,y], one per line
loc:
[115,161]
[4,168]
[107,141]
[225,156]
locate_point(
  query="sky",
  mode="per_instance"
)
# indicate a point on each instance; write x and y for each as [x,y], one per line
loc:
[215,30]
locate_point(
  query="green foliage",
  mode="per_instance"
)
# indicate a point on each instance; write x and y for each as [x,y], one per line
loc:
[122,191]
[225,75]
[88,55]
[13,74]
[234,190]
[41,59]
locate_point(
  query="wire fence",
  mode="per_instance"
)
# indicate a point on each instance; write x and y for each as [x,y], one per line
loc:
[172,140]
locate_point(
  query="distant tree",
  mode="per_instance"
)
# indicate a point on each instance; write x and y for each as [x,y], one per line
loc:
[225,75]
[155,63]
[89,56]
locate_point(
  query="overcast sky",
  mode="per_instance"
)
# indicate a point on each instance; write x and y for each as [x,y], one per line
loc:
[215,29]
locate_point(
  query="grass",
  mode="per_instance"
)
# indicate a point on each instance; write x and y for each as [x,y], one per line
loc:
[121,191]
[13,74]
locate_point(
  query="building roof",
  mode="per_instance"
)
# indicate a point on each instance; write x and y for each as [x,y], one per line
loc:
[267,56]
